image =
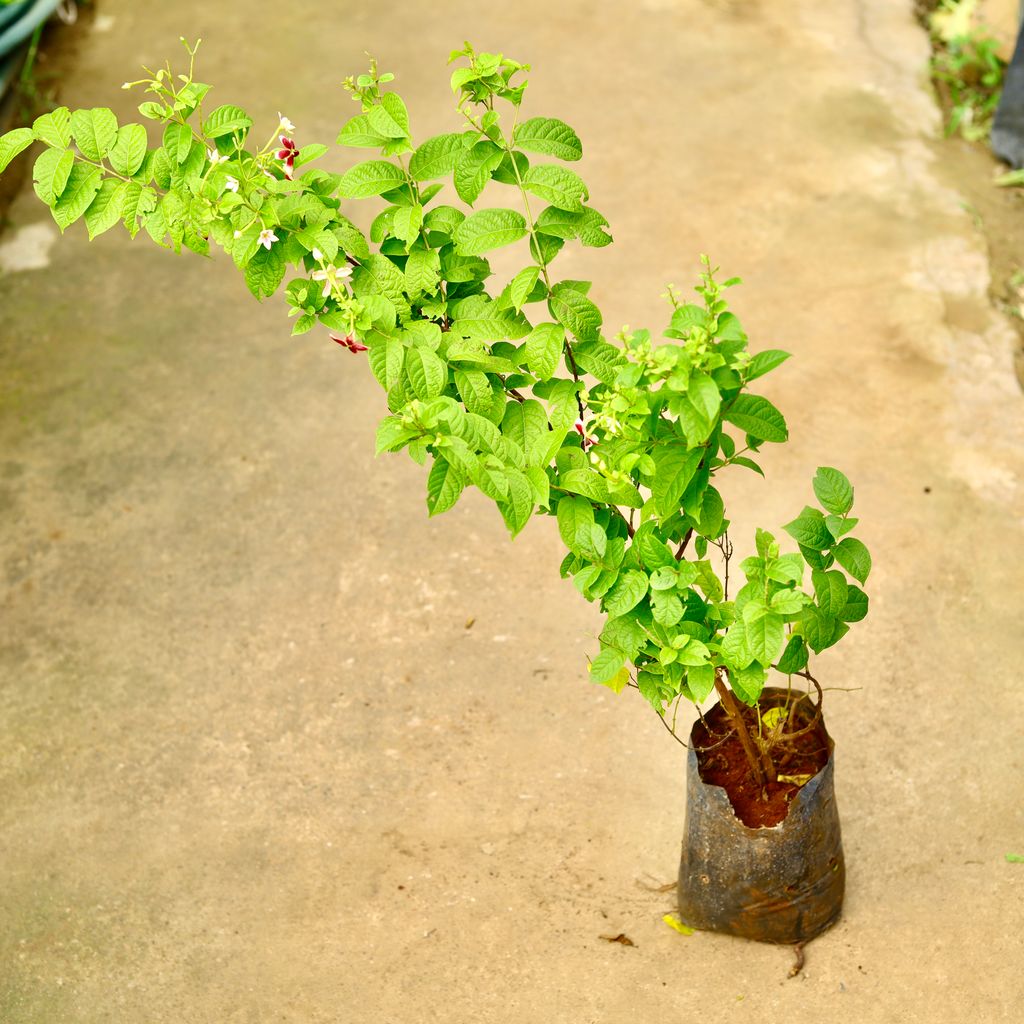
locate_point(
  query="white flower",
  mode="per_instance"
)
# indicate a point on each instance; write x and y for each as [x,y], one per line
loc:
[331,276]
[267,238]
[317,255]
[231,184]
[285,125]
[216,158]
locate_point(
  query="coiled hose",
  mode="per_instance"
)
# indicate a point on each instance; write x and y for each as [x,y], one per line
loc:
[18,22]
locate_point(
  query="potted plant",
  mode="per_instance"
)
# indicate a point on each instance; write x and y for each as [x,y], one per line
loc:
[513,389]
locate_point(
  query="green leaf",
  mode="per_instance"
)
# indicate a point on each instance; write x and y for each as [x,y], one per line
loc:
[833,490]
[177,141]
[765,362]
[444,485]
[666,608]
[407,223]
[839,526]
[712,514]
[856,606]
[521,285]
[390,118]
[748,683]
[474,169]
[599,359]
[428,373]
[392,434]
[370,178]
[575,519]
[129,151]
[853,556]
[226,120]
[817,628]
[544,349]
[588,226]
[558,186]
[136,202]
[525,424]
[685,318]
[742,460]
[758,417]
[628,591]
[701,681]
[624,633]
[674,469]
[703,393]
[386,358]
[95,131]
[788,602]
[377,275]
[265,271]
[575,312]
[475,391]
[83,183]
[13,143]
[809,530]
[422,271]
[477,318]
[106,208]
[358,132]
[734,646]
[154,111]
[549,136]
[53,128]
[764,632]
[517,510]
[489,229]
[794,657]
[436,157]
[50,173]
[830,588]
[609,669]
[309,153]
[586,482]
[654,553]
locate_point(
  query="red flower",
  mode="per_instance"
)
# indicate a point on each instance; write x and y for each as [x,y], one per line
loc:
[350,341]
[580,427]
[286,154]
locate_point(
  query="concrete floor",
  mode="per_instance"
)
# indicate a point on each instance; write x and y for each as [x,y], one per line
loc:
[254,765]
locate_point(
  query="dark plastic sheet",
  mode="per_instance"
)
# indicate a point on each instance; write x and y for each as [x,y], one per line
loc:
[783,884]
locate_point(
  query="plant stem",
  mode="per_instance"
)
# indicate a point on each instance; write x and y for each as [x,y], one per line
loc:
[732,709]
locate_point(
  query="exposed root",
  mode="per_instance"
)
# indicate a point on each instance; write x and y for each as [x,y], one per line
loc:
[798,950]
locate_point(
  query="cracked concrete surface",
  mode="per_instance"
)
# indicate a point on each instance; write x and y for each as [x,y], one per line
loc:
[255,767]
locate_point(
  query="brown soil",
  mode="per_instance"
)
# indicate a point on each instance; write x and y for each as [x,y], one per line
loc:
[723,762]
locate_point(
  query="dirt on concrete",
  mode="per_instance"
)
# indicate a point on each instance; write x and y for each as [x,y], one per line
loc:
[998,212]
[254,766]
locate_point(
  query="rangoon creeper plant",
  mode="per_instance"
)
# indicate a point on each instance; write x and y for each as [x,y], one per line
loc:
[512,389]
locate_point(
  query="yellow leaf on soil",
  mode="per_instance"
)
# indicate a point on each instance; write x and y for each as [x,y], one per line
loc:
[796,780]
[676,925]
[773,716]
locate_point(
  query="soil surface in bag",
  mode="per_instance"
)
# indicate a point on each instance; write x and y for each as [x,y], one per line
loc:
[723,762]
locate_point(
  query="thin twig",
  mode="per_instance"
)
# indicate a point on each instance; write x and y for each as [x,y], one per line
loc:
[682,546]
[671,731]
[788,737]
